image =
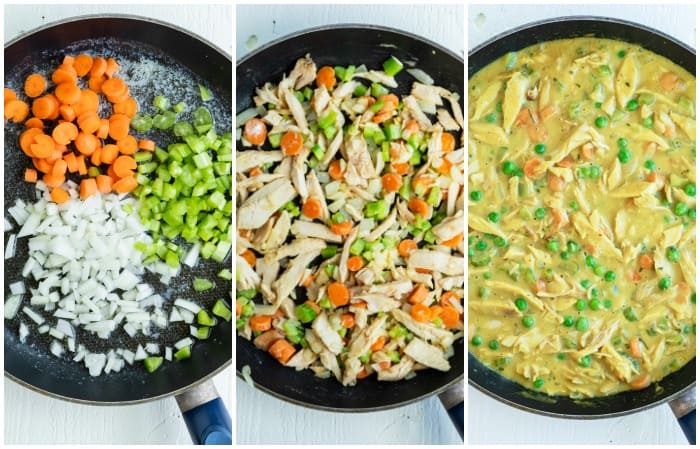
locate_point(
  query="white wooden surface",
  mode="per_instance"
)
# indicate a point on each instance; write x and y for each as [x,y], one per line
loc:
[31,418]
[260,418]
[489,421]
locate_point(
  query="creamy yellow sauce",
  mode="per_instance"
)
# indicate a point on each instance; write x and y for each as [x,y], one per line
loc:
[582,217]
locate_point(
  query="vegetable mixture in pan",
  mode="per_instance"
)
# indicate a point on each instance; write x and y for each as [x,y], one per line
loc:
[582,217]
[350,222]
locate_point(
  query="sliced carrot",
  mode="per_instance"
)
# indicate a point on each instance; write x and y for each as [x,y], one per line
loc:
[59,167]
[82,167]
[401,168]
[347,320]
[126,184]
[148,145]
[64,74]
[454,241]
[339,294]
[326,77]
[260,323]
[378,344]
[42,165]
[555,183]
[89,101]
[646,262]
[669,81]
[450,317]
[291,143]
[99,65]
[343,228]
[34,85]
[418,295]
[420,207]
[282,350]
[31,175]
[53,180]
[127,145]
[96,157]
[124,166]
[312,208]
[445,167]
[335,170]
[9,95]
[71,162]
[104,183]
[307,282]
[118,126]
[82,64]
[66,112]
[249,257]
[95,83]
[16,110]
[64,133]
[128,107]
[391,182]
[59,196]
[88,187]
[86,143]
[43,147]
[363,374]
[110,152]
[447,297]
[34,123]
[43,107]
[68,60]
[111,68]
[406,247]
[355,263]
[635,347]
[641,382]
[532,168]
[567,162]
[411,126]
[26,139]
[421,184]
[255,131]
[548,112]
[114,87]
[89,122]
[448,142]
[68,93]
[421,313]
[523,118]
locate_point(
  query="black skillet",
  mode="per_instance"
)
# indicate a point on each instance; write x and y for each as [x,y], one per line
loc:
[678,387]
[193,60]
[345,45]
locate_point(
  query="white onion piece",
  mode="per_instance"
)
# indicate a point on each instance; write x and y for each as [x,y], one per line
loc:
[141,353]
[152,348]
[421,76]
[184,342]
[38,319]
[56,348]
[168,353]
[11,246]
[187,305]
[12,306]
[191,258]
[8,225]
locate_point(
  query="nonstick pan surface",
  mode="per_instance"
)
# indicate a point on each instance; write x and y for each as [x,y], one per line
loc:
[345,45]
[155,58]
[491,382]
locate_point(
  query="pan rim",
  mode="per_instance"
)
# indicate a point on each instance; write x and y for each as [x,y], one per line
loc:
[471,53]
[347,26]
[356,27]
[221,52]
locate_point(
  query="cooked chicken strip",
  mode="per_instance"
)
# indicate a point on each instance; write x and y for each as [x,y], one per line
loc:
[430,333]
[383,227]
[427,354]
[292,276]
[449,228]
[436,261]
[327,334]
[245,160]
[302,359]
[397,371]
[260,206]
[317,230]
[446,120]
[304,72]
[297,110]
[412,105]
[378,77]
[296,247]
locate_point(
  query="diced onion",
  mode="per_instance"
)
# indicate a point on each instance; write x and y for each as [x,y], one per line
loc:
[421,76]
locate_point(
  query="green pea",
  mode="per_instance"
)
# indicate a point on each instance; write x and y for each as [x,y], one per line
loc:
[572,246]
[590,261]
[553,245]
[680,209]
[595,292]
[540,148]
[564,255]
[581,304]
[601,122]
[649,164]
[493,344]
[491,118]
[664,283]
[476,340]
[585,361]
[610,276]
[598,104]
[647,122]
[521,304]
[595,171]
[484,292]
[630,314]
[476,195]
[673,254]
[540,212]
[561,356]
[595,304]
[528,321]
[585,283]
[538,383]
[470,251]
[582,324]
[692,213]
[622,143]
[624,155]
[487,275]
[493,217]
[509,167]
[500,242]
[573,205]
[568,321]
[481,245]
[599,270]
[607,303]
[689,189]
[632,105]
[621,54]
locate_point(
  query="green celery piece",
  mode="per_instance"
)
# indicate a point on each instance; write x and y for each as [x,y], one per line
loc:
[183,353]
[152,363]
[203,332]
[222,310]
[392,66]
[204,93]
[201,285]
[204,319]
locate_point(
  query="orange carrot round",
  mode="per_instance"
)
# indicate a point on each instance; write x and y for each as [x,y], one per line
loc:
[326,77]
[34,85]
[255,131]
[339,294]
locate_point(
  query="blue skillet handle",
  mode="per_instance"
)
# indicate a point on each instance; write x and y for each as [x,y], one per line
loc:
[687,423]
[453,401]
[684,409]
[205,414]
[209,423]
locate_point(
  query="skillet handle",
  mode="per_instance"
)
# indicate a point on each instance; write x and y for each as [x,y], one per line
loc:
[453,401]
[205,414]
[684,409]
